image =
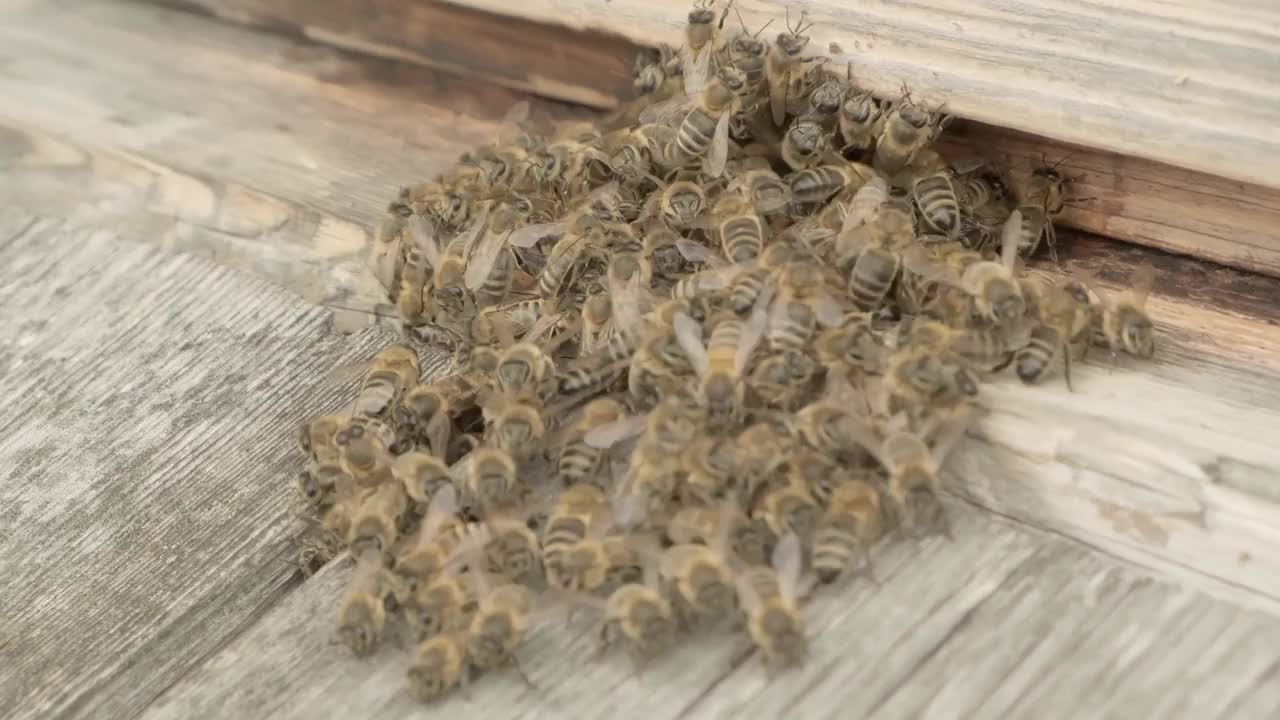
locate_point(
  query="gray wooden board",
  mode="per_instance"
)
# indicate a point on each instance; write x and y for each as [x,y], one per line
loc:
[148,405]
[1004,622]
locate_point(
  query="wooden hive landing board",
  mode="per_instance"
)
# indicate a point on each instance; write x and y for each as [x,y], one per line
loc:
[149,404]
[1001,623]
[1127,141]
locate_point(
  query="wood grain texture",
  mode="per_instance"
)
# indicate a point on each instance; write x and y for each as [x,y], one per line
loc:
[1001,623]
[1185,82]
[149,404]
[554,61]
[1145,201]
[272,155]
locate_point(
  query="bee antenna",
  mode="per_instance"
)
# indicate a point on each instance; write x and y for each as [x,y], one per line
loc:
[1063,159]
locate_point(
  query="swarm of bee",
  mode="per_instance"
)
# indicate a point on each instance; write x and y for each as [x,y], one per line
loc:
[706,355]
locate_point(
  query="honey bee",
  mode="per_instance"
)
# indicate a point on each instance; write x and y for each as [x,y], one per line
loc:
[701,34]
[762,186]
[851,524]
[1123,322]
[826,100]
[376,523]
[1063,328]
[636,151]
[653,67]
[363,614]
[579,462]
[704,131]
[444,603]
[517,429]
[597,312]
[817,184]
[741,231]
[804,144]
[908,128]
[701,574]
[392,371]
[749,284]
[317,438]
[747,52]
[439,665]
[491,479]
[366,459]
[639,616]
[525,373]
[769,599]
[789,509]
[428,551]
[427,411]
[913,466]
[782,67]
[720,362]
[407,283]
[502,619]
[859,122]
[661,250]
[489,263]
[513,550]
[1042,199]
[996,293]
[577,509]
[708,464]
[936,198]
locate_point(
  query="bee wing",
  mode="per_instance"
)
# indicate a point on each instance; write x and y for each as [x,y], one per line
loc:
[860,433]
[610,434]
[726,521]
[625,300]
[695,252]
[788,562]
[529,235]
[718,155]
[443,505]
[466,240]
[697,68]
[689,337]
[517,113]
[384,257]
[482,258]
[828,311]
[438,430]
[718,278]
[862,208]
[919,260]
[344,374]
[764,206]
[425,235]
[754,330]
[968,165]
[1141,282]
[949,431]
[665,110]
[1009,239]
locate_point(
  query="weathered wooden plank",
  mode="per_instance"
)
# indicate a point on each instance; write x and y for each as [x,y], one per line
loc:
[1002,622]
[1104,75]
[1070,634]
[554,62]
[149,404]
[266,154]
[1129,198]
[310,676]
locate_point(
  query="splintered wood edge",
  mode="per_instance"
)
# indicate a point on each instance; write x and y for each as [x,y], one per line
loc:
[1142,201]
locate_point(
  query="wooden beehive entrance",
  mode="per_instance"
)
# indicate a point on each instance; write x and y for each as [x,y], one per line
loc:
[273,153]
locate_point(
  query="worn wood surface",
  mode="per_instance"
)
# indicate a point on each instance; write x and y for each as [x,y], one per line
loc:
[1124,195]
[149,404]
[269,155]
[1185,82]
[273,155]
[1001,623]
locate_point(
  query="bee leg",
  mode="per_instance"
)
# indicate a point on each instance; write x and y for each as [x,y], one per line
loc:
[515,665]
[1066,368]
[1051,236]
[1007,360]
